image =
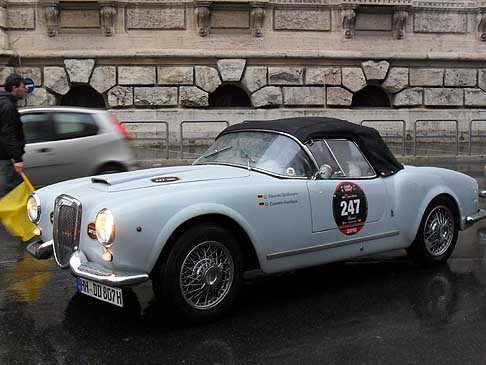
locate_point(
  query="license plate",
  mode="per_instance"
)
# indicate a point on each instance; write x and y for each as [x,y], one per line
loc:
[100,291]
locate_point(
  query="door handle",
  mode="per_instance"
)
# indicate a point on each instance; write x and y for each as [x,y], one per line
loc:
[44,150]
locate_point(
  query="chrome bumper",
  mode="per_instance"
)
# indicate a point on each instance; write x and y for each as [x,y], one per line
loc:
[480,214]
[41,250]
[89,270]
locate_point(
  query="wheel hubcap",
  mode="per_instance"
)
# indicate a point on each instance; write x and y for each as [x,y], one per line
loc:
[206,275]
[439,230]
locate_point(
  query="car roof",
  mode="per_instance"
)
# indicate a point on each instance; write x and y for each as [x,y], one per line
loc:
[61,109]
[306,129]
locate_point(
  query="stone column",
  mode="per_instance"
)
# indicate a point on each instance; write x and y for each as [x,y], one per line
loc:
[4,44]
[107,14]
[400,17]
[52,17]
[203,18]
[257,15]
[348,14]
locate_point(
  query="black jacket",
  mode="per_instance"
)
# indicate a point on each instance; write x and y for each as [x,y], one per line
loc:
[12,140]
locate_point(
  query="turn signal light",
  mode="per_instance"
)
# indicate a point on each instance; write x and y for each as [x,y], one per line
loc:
[107,256]
[37,231]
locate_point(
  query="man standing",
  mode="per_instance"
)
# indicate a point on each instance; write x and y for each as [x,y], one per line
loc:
[12,140]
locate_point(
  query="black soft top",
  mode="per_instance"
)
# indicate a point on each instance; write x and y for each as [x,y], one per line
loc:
[308,128]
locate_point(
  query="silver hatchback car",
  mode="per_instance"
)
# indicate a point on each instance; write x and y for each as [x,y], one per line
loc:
[65,143]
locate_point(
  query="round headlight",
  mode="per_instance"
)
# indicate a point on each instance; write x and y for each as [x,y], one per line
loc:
[105,227]
[34,208]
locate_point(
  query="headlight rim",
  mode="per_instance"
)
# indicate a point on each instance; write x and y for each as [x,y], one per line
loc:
[39,208]
[111,239]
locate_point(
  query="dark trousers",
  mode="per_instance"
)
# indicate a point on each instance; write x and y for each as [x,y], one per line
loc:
[9,178]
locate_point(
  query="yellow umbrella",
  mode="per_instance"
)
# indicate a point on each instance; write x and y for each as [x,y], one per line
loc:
[13,211]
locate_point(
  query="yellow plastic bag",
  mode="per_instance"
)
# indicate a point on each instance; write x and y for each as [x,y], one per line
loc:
[13,211]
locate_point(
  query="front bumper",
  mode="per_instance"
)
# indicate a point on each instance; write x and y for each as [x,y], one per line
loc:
[41,250]
[80,266]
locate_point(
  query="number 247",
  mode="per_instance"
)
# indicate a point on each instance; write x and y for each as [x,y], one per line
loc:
[350,207]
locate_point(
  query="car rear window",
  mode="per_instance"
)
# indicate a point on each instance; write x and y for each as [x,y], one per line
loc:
[74,125]
[37,127]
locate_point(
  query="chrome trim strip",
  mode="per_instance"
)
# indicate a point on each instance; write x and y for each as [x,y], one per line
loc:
[479,215]
[81,267]
[266,172]
[326,246]
[482,194]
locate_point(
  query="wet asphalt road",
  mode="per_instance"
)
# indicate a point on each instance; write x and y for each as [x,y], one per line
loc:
[376,310]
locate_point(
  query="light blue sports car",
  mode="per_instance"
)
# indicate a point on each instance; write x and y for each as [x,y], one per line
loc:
[270,195]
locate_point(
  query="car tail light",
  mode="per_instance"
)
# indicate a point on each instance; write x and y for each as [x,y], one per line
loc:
[120,127]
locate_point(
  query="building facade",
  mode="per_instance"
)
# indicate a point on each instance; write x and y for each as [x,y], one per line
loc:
[183,60]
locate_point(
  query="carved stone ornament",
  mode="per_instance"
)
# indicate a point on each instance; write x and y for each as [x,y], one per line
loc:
[349,20]
[52,19]
[108,13]
[257,18]
[399,21]
[203,17]
[482,25]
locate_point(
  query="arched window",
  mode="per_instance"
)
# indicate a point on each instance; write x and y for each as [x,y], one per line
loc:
[371,97]
[229,96]
[84,96]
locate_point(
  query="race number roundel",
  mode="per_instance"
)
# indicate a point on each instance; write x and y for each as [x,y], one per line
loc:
[350,208]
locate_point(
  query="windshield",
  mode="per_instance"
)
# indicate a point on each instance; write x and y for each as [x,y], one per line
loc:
[267,151]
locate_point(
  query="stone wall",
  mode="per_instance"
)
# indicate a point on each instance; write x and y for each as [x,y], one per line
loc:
[189,86]
[224,28]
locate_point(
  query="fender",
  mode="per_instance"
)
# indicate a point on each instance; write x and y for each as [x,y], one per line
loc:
[431,195]
[195,211]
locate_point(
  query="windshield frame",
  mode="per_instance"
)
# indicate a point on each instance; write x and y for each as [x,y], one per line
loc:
[274,174]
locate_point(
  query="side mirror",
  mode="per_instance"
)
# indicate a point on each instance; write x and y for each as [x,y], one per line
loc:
[325,172]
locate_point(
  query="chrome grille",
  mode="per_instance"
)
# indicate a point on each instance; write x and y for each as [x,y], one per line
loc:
[67,221]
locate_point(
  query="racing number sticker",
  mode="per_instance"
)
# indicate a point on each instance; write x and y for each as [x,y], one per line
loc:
[350,208]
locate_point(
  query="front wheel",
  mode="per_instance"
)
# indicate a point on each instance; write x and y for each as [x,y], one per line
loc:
[437,234]
[202,273]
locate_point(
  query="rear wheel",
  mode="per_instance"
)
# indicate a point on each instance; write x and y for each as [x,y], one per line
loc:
[202,274]
[437,234]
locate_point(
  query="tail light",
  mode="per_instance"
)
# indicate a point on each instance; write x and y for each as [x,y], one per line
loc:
[120,127]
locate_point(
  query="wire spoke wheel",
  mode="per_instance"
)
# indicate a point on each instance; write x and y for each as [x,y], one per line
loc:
[206,275]
[439,230]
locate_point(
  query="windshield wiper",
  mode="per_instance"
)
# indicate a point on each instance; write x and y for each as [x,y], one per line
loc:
[248,156]
[216,151]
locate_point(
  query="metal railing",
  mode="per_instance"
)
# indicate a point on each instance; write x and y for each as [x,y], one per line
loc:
[455,135]
[469,150]
[185,122]
[434,135]
[153,138]
[404,128]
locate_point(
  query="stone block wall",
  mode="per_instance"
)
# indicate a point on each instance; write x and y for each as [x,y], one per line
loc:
[189,86]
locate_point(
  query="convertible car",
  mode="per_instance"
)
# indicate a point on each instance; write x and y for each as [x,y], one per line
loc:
[270,195]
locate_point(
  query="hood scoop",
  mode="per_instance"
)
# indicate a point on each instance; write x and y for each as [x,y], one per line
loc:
[100,180]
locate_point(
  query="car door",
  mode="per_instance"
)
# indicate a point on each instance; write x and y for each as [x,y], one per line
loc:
[352,203]
[39,158]
[75,135]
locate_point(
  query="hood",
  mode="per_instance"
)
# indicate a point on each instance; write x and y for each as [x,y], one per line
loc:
[165,176]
